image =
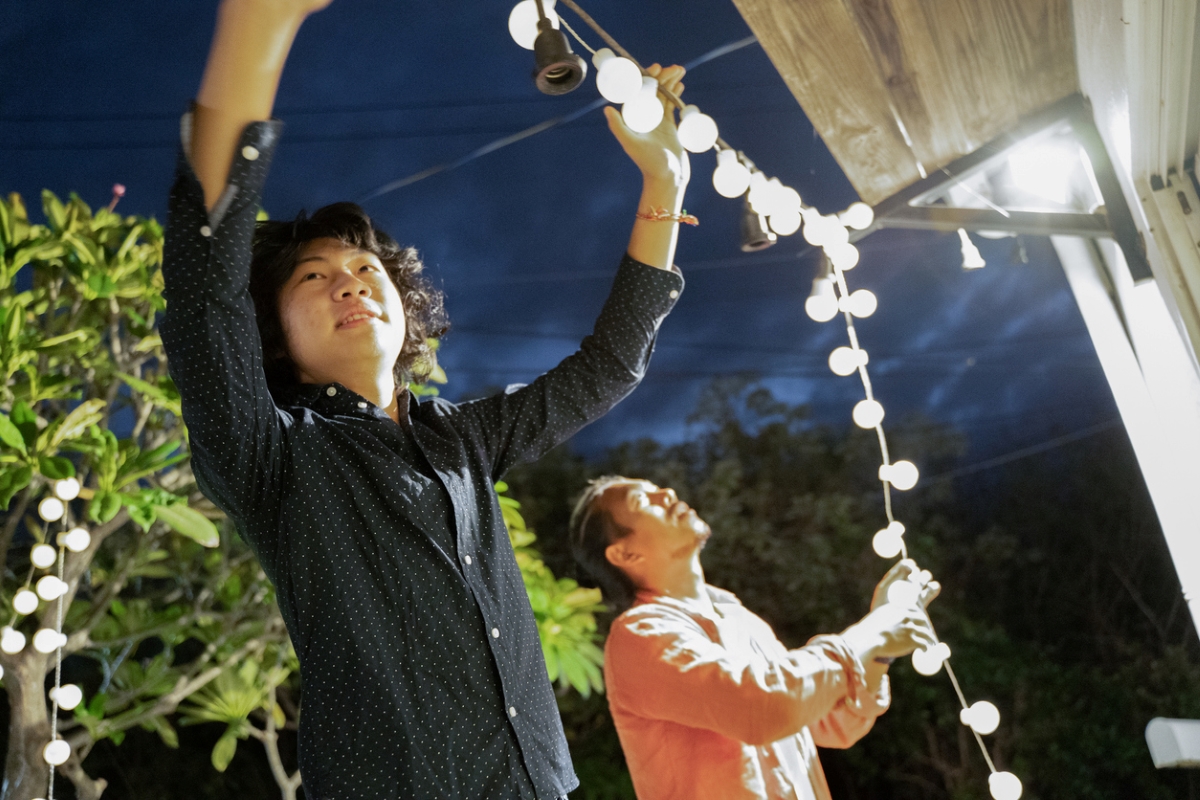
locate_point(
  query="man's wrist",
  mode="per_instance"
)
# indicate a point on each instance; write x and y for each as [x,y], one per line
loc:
[661,192]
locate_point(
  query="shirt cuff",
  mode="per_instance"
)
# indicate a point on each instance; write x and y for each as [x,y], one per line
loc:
[859,699]
[648,289]
[251,162]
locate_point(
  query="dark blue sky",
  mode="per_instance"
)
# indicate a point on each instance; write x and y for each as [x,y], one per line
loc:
[524,240]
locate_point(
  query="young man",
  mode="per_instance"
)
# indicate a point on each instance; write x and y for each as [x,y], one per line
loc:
[373,514]
[707,702]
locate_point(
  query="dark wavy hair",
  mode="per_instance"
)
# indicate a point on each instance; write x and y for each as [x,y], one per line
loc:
[592,529]
[277,247]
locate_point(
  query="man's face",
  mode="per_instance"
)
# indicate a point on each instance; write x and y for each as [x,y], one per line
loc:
[664,527]
[341,314]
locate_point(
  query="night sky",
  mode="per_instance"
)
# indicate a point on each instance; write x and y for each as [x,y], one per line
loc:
[525,239]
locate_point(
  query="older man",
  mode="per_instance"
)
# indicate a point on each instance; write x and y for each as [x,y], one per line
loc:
[707,702]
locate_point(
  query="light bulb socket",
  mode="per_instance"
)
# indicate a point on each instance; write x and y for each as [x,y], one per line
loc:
[756,234]
[557,69]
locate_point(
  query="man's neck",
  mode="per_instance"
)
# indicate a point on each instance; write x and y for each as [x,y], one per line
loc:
[379,388]
[684,582]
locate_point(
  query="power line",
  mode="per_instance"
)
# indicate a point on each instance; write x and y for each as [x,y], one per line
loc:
[1025,452]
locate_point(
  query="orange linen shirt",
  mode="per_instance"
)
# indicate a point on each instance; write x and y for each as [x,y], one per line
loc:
[714,707]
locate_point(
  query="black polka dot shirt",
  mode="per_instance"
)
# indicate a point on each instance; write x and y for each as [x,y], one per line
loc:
[422,669]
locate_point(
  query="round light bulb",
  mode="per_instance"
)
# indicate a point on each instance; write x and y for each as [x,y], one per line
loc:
[928,662]
[57,752]
[784,221]
[43,556]
[67,488]
[837,233]
[730,178]
[11,641]
[867,413]
[76,540]
[845,360]
[697,130]
[761,193]
[1004,786]
[904,475]
[816,229]
[889,541]
[861,303]
[25,602]
[51,588]
[982,717]
[47,640]
[618,79]
[51,509]
[523,20]
[903,593]
[858,216]
[844,256]
[644,112]
[788,199]
[822,304]
[68,695]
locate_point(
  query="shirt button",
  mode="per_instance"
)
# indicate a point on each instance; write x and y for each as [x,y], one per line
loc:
[249,153]
[512,711]
[362,405]
[467,559]
[205,231]
[495,633]
[674,293]
[331,391]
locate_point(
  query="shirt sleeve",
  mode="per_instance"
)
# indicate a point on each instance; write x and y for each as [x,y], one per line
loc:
[523,422]
[854,716]
[662,665]
[210,334]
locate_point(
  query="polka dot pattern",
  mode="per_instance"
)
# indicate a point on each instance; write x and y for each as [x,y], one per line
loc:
[422,669]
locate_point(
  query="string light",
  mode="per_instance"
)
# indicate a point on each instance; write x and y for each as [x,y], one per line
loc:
[618,79]
[51,588]
[523,21]
[76,540]
[25,602]
[697,131]
[57,752]
[68,696]
[47,640]
[11,640]
[731,178]
[51,509]
[43,556]
[67,489]
[771,208]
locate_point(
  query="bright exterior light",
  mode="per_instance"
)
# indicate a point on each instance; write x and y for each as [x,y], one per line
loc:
[47,640]
[644,112]
[902,475]
[51,588]
[51,509]
[787,198]
[11,641]
[861,303]
[822,304]
[982,717]
[929,662]
[858,216]
[57,752]
[25,602]
[761,193]
[1004,786]
[697,130]
[836,232]
[67,488]
[843,256]
[43,556]
[785,222]
[730,178]
[76,540]
[523,20]
[845,360]
[888,542]
[972,258]
[618,79]
[68,695]
[903,593]
[816,232]
[1044,169]
[867,413]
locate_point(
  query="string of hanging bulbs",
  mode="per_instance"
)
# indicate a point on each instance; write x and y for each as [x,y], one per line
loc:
[775,210]
[50,588]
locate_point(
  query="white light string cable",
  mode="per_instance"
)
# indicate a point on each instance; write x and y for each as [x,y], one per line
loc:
[622,80]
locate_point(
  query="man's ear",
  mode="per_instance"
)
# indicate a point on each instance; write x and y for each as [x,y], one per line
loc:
[620,556]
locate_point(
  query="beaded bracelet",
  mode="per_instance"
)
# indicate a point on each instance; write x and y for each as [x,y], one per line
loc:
[663,215]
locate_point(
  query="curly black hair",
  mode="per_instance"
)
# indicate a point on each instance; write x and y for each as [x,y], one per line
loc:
[277,248]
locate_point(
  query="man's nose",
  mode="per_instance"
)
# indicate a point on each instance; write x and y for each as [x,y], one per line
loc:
[349,286]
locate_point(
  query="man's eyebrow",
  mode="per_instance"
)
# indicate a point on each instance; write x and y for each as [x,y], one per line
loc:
[306,259]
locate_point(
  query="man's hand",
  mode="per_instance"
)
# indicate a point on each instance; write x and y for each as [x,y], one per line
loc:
[890,631]
[658,154]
